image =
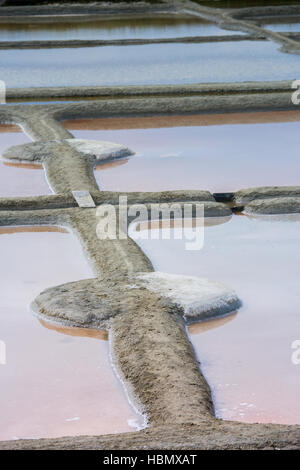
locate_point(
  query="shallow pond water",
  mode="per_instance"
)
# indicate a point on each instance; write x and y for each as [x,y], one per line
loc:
[56,381]
[247,357]
[19,179]
[213,157]
[148,64]
[113,29]
[289,25]
[246,3]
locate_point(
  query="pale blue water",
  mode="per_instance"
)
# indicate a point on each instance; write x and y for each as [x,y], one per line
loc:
[150,64]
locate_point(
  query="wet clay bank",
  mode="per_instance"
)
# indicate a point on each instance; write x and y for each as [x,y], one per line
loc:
[145,315]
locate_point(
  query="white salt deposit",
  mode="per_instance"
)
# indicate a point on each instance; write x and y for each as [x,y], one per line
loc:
[200,298]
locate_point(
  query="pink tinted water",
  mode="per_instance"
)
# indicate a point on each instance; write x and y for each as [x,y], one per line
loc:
[19,180]
[215,158]
[55,383]
[247,359]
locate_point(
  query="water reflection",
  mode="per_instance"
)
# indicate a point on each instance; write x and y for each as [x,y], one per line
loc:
[246,3]
[289,25]
[178,223]
[32,229]
[177,121]
[25,166]
[4,128]
[77,332]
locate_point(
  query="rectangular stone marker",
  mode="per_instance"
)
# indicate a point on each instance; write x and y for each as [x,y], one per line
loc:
[83,198]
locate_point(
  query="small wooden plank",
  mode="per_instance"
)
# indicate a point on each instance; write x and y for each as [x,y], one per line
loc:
[83,199]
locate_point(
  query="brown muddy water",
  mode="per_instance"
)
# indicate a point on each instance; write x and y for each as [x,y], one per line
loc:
[198,152]
[138,28]
[247,357]
[57,381]
[246,3]
[19,179]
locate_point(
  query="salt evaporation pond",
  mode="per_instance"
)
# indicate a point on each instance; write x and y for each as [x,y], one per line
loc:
[289,26]
[246,358]
[152,64]
[54,383]
[216,157]
[113,29]
[18,180]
